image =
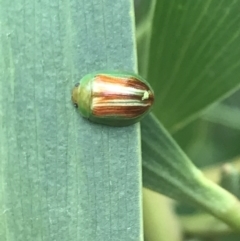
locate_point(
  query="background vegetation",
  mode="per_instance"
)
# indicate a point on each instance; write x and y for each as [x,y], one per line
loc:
[189,51]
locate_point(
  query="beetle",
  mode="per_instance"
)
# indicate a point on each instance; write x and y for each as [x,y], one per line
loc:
[113,98]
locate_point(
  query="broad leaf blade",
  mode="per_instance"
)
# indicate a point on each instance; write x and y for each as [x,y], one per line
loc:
[194,56]
[61,177]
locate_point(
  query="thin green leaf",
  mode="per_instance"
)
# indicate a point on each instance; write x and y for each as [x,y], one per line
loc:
[167,170]
[223,114]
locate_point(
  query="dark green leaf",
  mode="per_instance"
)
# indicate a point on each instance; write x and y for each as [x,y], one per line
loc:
[194,56]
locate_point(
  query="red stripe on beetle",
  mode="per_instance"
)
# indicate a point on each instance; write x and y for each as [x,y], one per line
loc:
[127,82]
[119,111]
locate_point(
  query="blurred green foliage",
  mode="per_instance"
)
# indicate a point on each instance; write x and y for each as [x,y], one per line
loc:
[189,51]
